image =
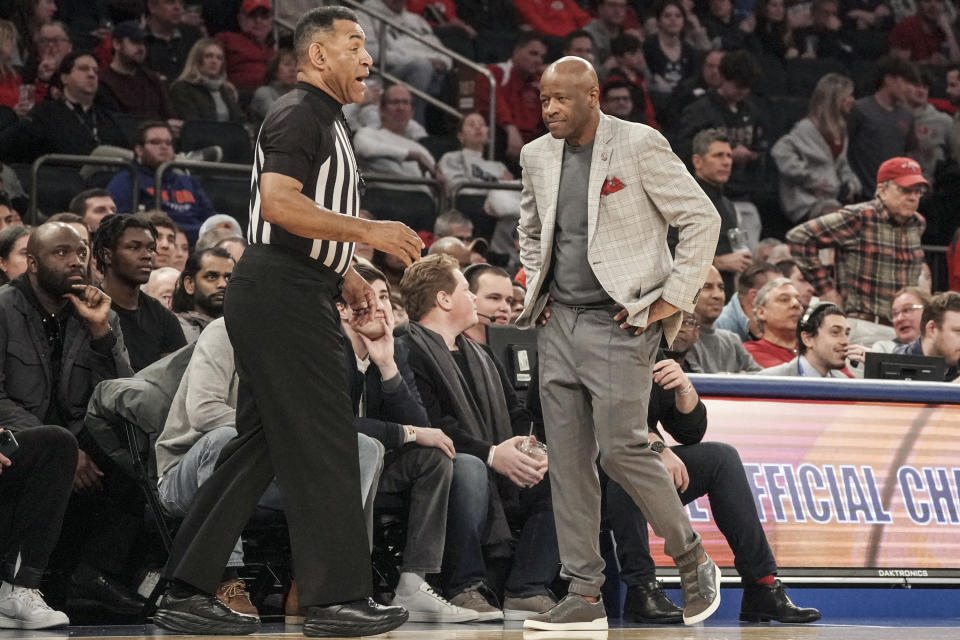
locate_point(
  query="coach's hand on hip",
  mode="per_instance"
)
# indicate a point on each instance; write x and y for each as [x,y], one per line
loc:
[395,238]
[658,311]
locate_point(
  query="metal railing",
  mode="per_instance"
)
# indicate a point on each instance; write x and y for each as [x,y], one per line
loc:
[489,186]
[71,160]
[200,165]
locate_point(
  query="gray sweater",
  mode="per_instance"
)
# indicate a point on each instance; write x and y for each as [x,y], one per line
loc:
[720,351]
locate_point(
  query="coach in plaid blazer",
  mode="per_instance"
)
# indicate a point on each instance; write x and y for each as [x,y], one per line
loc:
[595,371]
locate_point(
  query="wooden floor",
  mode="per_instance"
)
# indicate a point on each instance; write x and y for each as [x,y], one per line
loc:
[721,630]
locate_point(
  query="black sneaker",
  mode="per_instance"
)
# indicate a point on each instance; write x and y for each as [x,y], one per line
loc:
[648,603]
[203,613]
[352,619]
[762,603]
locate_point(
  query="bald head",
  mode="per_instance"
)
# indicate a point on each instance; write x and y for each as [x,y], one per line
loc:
[569,99]
[452,246]
[49,235]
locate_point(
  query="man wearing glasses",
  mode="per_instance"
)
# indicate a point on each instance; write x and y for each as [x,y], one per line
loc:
[878,252]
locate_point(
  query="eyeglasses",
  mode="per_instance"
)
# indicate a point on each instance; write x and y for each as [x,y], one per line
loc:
[902,311]
[918,190]
[690,323]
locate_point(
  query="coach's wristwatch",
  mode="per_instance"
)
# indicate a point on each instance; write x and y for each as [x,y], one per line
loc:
[657,446]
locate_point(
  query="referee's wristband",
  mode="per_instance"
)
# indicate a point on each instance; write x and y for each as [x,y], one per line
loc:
[493,448]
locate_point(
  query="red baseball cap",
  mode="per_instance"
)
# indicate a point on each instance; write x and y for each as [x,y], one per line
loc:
[250,5]
[904,171]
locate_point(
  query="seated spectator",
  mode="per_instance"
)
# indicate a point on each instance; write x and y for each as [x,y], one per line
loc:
[689,90]
[71,124]
[716,350]
[280,77]
[628,65]
[616,99]
[181,196]
[824,38]
[455,224]
[8,215]
[199,295]
[669,58]
[866,25]
[13,252]
[389,410]
[407,58]
[493,292]
[730,107]
[453,247]
[126,85]
[789,269]
[124,248]
[939,333]
[28,16]
[738,315]
[878,250]
[823,346]
[608,25]
[928,37]
[58,340]
[37,478]
[40,69]
[815,175]
[578,43]
[167,231]
[249,52]
[771,250]
[518,92]
[931,128]
[519,294]
[202,91]
[161,285]
[772,34]
[181,249]
[467,394]
[452,30]
[724,29]
[880,126]
[169,37]
[10,81]
[906,312]
[555,18]
[777,308]
[93,205]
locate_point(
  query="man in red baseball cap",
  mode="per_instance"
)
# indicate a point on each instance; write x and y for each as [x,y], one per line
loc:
[249,52]
[877,250]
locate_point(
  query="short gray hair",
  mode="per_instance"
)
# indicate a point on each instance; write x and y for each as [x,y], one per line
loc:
[450,218]
[705,138]
[764,293]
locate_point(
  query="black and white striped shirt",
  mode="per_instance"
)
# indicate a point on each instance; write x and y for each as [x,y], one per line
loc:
[304,136]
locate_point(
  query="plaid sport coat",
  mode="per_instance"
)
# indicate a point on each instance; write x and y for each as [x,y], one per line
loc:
[637,188]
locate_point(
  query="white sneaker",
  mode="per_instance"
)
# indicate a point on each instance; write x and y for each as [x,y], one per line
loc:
[426,605]
[22,608]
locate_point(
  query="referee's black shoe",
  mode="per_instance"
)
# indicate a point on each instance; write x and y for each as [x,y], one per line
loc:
[203,613]
[352,619]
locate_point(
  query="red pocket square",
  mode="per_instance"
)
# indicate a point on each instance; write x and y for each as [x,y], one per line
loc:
[611,185]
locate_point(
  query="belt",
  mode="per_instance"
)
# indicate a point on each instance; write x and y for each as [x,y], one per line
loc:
[871,318]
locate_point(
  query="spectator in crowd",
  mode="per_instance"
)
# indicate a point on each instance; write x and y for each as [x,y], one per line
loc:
[771,250]
[8,215]
[772,33]
[249,52]
[453,223]
[41,69]
[169,38]
[202,91]
[37,478]
[616,99]
[607,26]
[161,285]
[385,398]
[939,333]
[723,27]
[493,292]
[126,85]
[519,293]
[167,231]
[407,58]
[71,124]
[124,248]
[931,128]
[58,340]
[691,89]
[789,269]
[518,92]
[866,25]
[824,38]
[453,247]
[578,43]
[730,107]
[10,80]
[738,315]
[928,37]
[906,312]
[823,346]
[13,252]
[181,196]
[777,308]
[466,393]
[181,250]
[280,77]
[880,126]
[877,247]
[556,18]
[199,296]
[93,205]
[629,66]
[29,16]
[669,58]
[716,350]
[446,23]
[815,175]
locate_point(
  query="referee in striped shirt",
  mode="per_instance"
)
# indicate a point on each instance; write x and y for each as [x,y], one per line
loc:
[294,418]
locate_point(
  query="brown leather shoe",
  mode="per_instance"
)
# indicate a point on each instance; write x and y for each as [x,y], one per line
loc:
[291,608]
[233,593]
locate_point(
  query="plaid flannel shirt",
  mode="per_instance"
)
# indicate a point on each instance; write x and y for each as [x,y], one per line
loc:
[875,256]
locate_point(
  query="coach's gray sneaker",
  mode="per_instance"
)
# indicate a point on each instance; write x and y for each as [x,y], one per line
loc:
[573,613]
[700,581]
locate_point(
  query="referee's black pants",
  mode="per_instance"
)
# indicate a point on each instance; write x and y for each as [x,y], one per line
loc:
[295,422]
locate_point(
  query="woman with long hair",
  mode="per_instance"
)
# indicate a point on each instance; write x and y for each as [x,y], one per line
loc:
[28,16]
[281,77]
[669,57]
[10,80]
[772,34]
[13,252]
[815,176]
[202,91]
